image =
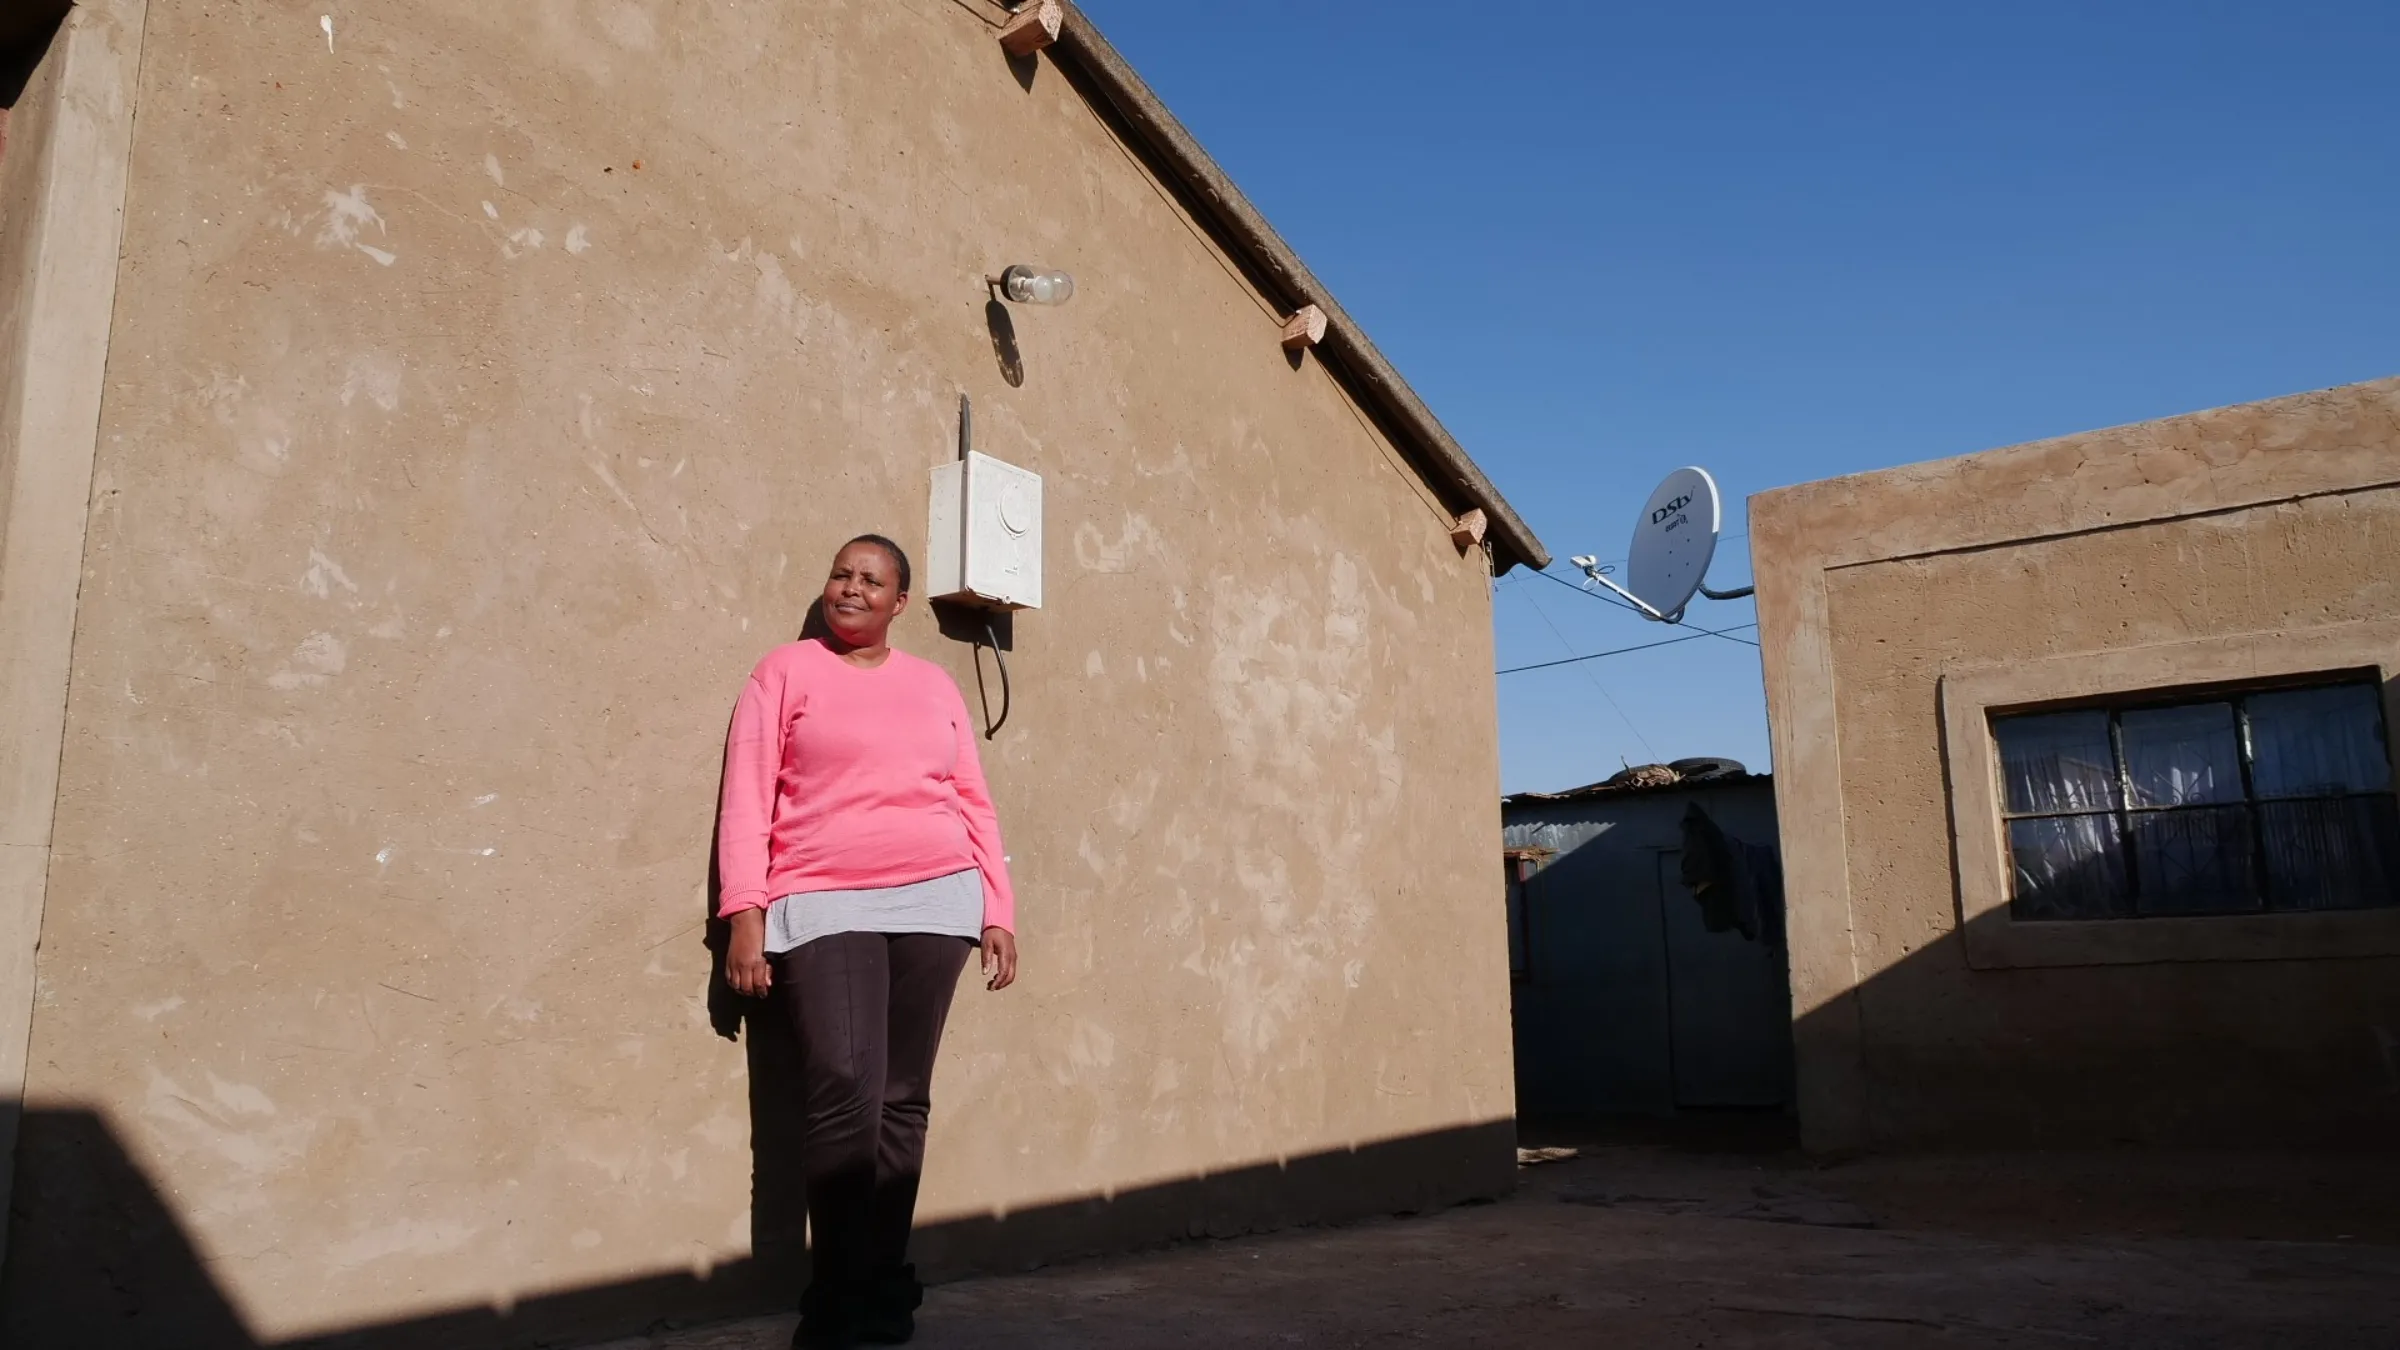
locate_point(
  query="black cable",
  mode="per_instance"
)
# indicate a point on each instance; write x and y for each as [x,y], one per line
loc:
[1669,642]
[1609,698]
[1605,597]
[1002,662]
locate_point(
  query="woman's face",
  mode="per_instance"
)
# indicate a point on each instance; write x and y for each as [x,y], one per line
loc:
[862,594]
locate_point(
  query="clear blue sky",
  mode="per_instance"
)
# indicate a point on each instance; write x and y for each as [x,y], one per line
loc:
[1791,241]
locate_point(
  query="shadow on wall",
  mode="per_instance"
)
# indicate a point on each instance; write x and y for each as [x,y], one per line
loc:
[1004,342]
[2264,1056]
[97,1259]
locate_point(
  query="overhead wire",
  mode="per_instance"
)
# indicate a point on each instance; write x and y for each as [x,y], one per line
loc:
[1630,725]
[1606,598]
[1694,636]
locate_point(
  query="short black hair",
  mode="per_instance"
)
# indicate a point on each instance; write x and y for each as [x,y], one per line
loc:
[899,555]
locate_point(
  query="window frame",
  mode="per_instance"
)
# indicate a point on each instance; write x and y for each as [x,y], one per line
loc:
[1971,697]
[2125,812]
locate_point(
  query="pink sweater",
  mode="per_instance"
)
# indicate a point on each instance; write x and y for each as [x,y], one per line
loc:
[841,778]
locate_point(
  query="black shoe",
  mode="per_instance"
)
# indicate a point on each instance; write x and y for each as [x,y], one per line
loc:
[829,1318]
[889,1315]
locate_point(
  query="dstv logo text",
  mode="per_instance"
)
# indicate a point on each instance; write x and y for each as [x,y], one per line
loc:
[1670,509]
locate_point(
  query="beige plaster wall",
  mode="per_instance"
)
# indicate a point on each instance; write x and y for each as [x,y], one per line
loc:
[2266,519]
[455,469]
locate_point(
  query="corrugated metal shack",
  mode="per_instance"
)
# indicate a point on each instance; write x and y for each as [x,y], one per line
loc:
[1625,1001]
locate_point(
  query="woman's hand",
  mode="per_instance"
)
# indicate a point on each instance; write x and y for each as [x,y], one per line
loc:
[746,969]
[999,958]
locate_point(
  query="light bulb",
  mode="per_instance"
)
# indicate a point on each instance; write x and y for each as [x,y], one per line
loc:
[1037,286]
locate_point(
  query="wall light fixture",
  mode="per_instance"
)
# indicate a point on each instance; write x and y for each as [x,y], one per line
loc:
[1035,285]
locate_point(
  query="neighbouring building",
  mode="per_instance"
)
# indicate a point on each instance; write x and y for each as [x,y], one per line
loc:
[2083,763]
[415,421]
[1630,996]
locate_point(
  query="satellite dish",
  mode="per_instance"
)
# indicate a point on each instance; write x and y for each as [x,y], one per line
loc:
[1674,541]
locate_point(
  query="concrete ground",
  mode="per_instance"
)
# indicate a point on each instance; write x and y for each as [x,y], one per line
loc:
[1645,1245]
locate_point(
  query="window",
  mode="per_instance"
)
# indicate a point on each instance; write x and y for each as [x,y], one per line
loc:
[2273,799]
[2309,799]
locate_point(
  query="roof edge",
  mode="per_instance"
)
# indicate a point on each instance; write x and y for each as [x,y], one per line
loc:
[1602,792]
[1355,360]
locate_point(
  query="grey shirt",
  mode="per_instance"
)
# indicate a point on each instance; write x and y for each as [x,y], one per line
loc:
[951,905]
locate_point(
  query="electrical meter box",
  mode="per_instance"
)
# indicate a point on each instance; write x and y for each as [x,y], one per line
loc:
[984,534]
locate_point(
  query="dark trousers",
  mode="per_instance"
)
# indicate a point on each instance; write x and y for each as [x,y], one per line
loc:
[868,1009]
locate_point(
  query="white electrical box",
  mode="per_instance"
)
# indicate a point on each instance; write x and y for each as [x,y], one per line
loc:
[984,534]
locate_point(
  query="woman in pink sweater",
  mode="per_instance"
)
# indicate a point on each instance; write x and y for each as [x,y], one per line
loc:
[860,860]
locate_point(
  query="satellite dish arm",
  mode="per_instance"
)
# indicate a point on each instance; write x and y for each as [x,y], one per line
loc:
[1638,602]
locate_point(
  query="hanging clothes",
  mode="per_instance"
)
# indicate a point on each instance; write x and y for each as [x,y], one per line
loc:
[1739,885]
